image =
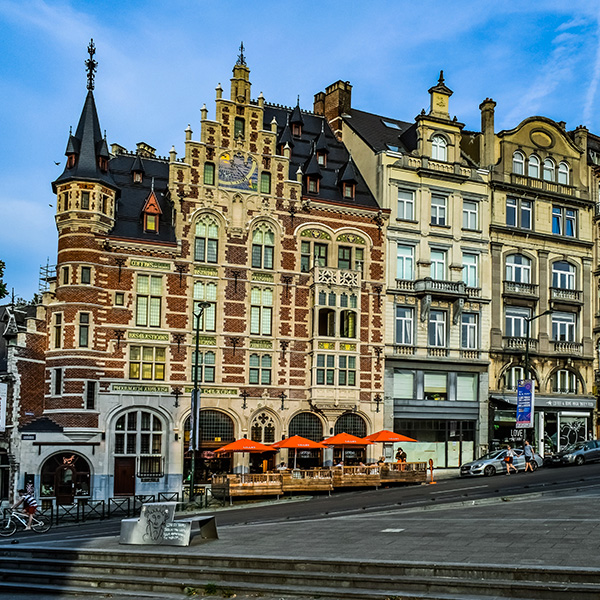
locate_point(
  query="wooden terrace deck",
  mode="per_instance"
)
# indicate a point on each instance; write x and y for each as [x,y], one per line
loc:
[314,480]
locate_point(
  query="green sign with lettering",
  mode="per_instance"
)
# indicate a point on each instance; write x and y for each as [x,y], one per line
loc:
[150,264]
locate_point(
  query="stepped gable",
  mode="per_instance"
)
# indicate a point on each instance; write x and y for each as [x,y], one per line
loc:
[315,129]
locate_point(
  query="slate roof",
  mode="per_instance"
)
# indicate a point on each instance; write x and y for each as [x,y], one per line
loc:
[314,128]
[372,129]
[88,144]
[133,196]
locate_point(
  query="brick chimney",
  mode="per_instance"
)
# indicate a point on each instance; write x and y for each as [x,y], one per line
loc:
[487,151]
[334,103]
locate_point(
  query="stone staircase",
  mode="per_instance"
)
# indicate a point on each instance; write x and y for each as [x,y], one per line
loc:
[96,573]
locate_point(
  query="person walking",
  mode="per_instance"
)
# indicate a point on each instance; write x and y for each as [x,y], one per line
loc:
[29,506]
[510,456]
[529,458]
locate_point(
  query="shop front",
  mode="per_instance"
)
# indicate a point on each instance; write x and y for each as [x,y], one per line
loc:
[558,422]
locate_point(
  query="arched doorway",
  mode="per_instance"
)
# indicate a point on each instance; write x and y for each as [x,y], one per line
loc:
[65,476]
[307,425]
[354,425]
[216,430]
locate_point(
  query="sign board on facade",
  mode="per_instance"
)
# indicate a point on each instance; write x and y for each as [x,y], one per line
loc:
[146,389]
[525,404]
[28,436]
[150,264]
[144,335]
[3,404]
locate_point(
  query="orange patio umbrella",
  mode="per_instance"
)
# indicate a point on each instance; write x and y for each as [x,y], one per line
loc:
[244,445]
[346,440]
[298,442]
[385,435]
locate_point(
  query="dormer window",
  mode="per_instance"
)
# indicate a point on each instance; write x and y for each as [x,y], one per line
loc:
[103,163]
[239,128]
[322,159]
[151,214]
[150,223]
[296,129]
[439,149]
[71,160]
[137,177]
[348,190]
[312,185]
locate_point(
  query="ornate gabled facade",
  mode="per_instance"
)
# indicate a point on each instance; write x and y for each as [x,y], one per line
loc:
[261,247]
[437,307]
[542,235]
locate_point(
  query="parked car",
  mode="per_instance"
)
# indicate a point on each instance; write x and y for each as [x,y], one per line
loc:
[575,454]
[494,462]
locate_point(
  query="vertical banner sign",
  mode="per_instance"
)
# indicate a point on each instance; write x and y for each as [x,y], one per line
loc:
[525,404]
[3,404]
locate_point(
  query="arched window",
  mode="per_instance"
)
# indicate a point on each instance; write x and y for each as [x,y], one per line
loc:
[140,433]
[213,425]
[563,173]
[518,269]
[534,166]
[263,428]
[205,292]
[563,275]
[439,149]
[207,240]
[518,163]
[512,377]
[549,170]
[263,247]
[564,382]
[307,425]
[351,423]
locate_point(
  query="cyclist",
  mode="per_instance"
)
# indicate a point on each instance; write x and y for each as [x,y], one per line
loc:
[29,506]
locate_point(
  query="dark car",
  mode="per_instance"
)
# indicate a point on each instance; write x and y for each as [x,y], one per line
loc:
[575,454]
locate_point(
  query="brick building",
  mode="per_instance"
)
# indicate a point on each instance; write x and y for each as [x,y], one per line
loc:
[261,246]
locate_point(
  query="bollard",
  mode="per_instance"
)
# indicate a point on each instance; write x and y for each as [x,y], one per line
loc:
[431,469]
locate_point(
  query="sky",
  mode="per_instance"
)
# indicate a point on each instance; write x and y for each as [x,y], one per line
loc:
[159,62]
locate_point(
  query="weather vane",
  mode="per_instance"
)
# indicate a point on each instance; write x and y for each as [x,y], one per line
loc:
[241,60]
[91,65]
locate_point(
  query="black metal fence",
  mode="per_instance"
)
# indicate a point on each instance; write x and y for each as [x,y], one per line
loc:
[124,507]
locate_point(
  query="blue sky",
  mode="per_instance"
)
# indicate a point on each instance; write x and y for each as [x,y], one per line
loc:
[159,62]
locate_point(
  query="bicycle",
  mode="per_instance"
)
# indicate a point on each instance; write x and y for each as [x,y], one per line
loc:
[8,525]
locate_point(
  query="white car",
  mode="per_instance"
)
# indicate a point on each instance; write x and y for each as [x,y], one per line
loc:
[494,462]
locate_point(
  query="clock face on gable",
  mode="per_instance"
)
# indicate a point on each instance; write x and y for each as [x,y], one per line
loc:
[238,171]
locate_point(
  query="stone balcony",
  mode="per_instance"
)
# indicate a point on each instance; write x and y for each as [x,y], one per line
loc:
[513,288]
[329,276]
[518,344]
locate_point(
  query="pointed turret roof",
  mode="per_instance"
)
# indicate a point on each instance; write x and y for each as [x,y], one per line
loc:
[286,136]
[321,144]
[296,117]
[138,165]
[87,145]
[348,172]
[311,167]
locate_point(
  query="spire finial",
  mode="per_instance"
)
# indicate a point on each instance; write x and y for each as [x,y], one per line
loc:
[91,65]
[441,79]
[241,60]
[298,101]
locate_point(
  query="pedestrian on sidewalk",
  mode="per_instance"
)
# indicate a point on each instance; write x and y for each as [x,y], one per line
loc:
[528,452]
[510,455]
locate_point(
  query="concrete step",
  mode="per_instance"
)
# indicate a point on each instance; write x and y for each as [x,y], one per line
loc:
[169,574]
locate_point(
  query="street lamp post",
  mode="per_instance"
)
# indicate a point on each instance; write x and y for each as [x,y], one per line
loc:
[195,405]
[528,321]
